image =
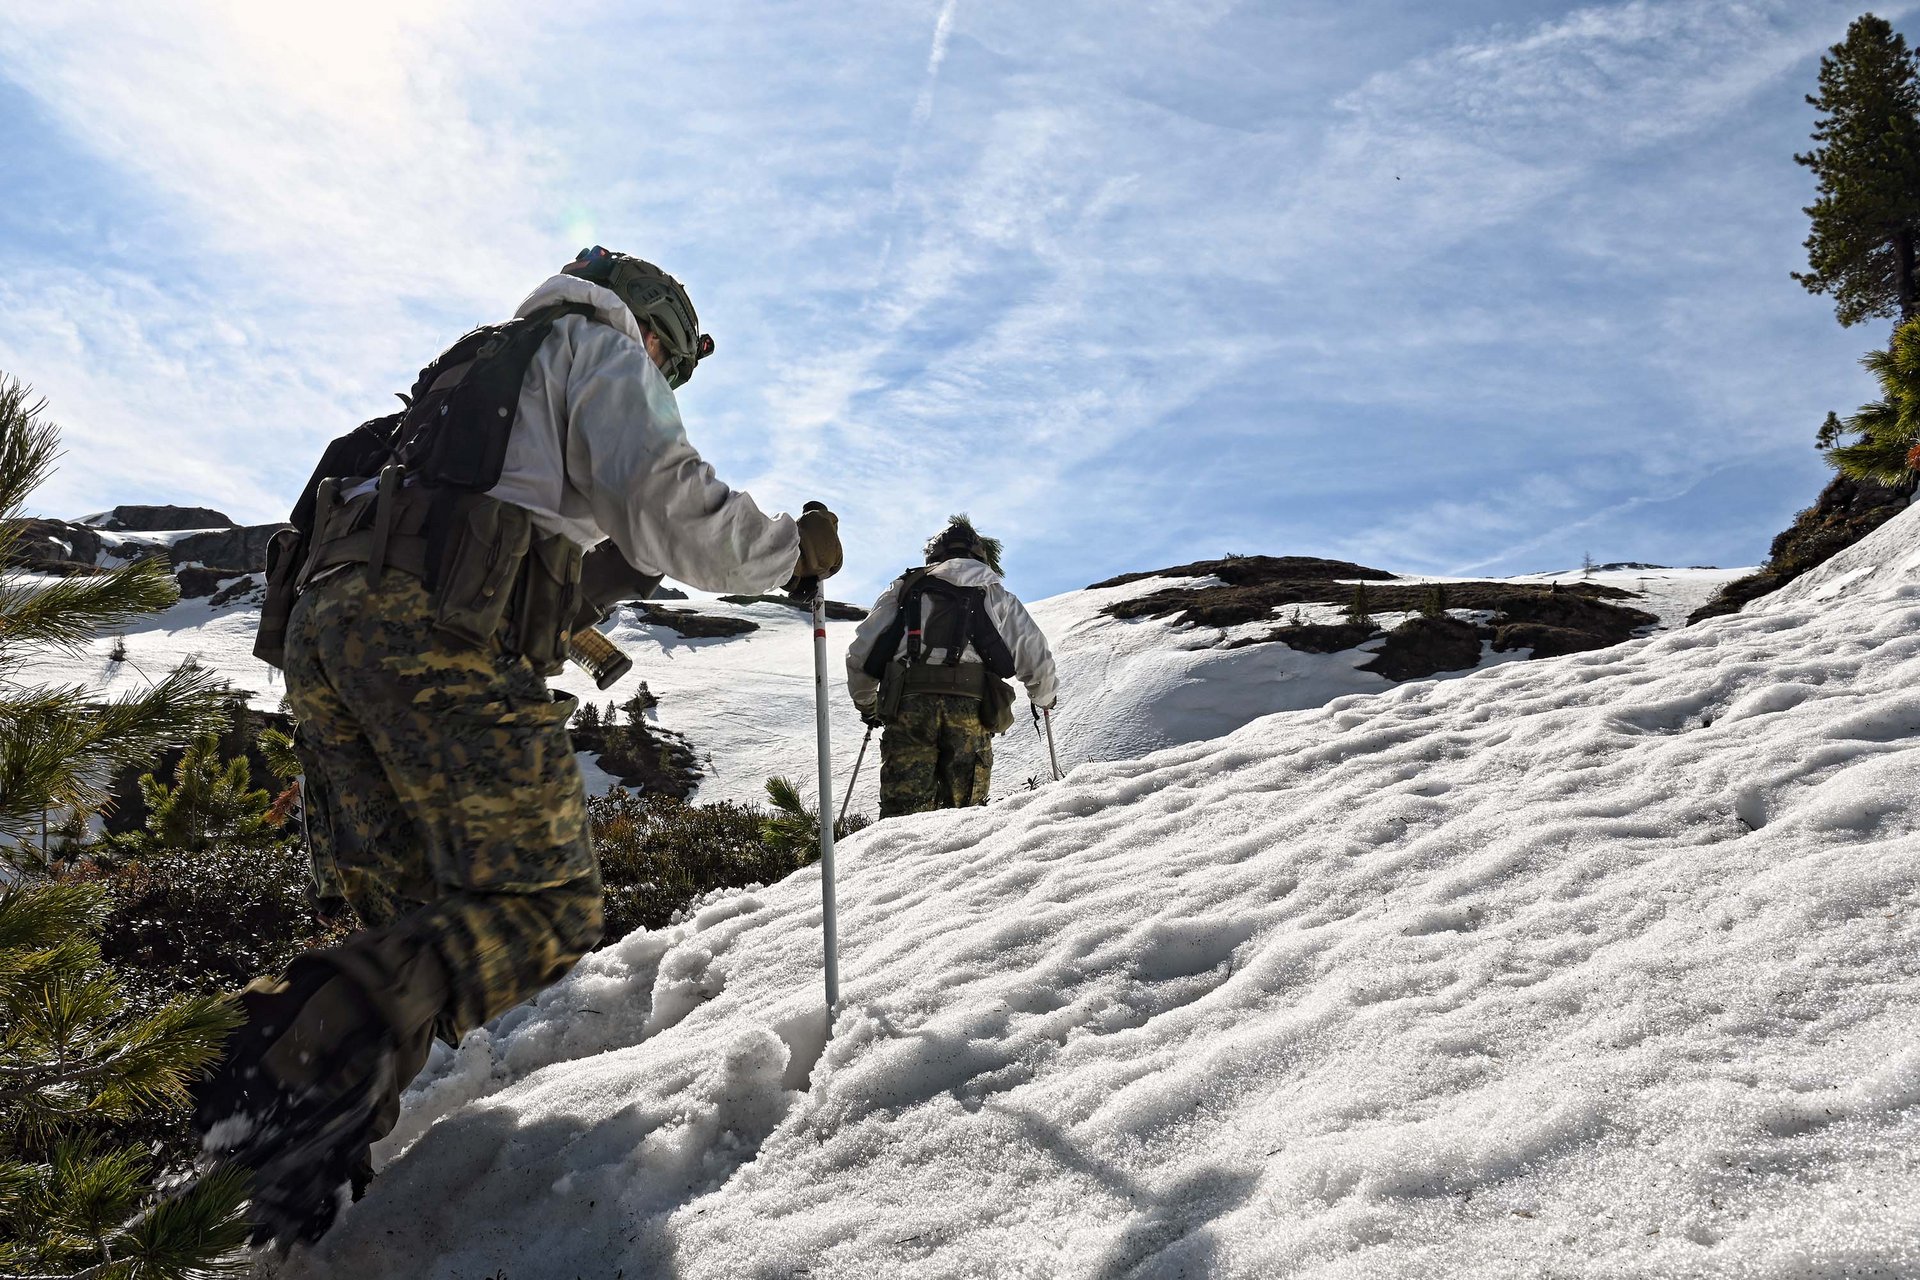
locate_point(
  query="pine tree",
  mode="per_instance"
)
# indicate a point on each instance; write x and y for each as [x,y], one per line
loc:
[1360,609]
[1866,218]
[58,745]
[793,830]
[210,802]
[72,1057]
[1435,605]
[1889,428]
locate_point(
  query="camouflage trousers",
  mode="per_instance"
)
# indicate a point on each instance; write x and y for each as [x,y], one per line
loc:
[444,802]
[935,754]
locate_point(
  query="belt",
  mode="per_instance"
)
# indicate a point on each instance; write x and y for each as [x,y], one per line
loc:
[964,679]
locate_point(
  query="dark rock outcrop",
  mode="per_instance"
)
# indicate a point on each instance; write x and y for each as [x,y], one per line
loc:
[135,518]
[1253,571]
[242,548]
[694,626]
[837,610]
[54,546]
[1309,637]
[1550,619]
[197,582]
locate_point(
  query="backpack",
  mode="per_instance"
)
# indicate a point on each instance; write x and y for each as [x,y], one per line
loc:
[940,616]
[451,439]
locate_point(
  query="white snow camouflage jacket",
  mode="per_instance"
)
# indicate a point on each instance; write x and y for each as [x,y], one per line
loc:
[1032,663]
[598,451]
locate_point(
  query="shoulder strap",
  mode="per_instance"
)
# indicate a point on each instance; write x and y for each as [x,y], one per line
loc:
[461,412]
[889,640]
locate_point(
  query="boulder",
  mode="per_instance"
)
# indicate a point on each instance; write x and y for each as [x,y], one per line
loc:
[53,546]
[197,582]
[136,518]
[239,548]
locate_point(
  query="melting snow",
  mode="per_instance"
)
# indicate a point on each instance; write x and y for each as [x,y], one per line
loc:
[1598,966]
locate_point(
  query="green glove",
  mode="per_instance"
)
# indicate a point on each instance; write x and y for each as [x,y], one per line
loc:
[820,554]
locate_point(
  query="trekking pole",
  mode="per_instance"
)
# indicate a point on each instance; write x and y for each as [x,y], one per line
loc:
[857,760]
[1051,757]
[829,919]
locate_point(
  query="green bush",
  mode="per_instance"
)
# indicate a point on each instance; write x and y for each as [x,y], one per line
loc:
[658,853]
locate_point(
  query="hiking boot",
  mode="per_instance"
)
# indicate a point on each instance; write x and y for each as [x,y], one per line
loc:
[294,1098]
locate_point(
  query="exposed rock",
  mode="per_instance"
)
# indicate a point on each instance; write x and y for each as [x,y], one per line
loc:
[240,548]
[1571,610]
[136,518]
[1550,619]
[695,626]
[196,582]
[838,610]
[1846,511]
[1423,646]
[53,546]
[238,591]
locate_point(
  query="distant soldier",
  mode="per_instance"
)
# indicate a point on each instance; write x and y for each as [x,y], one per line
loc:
[431,581]
[931,665]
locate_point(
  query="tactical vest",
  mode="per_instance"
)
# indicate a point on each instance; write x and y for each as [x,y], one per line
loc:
[937,616]
[408,491]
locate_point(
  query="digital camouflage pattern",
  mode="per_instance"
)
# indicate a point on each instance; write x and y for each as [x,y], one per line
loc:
[444,802]
[935,754]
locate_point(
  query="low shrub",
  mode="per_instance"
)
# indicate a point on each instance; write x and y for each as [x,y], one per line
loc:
[658,853]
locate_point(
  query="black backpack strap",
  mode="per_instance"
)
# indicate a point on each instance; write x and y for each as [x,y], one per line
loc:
[889,640]
[460,415]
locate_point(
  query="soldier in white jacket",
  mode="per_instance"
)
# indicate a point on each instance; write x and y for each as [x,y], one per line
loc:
[429,584]
[930,664]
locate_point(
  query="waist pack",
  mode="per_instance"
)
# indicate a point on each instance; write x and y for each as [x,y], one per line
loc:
[492,576]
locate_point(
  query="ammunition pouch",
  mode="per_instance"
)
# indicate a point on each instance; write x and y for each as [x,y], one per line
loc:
[956,680]
[893,681]
[491,576]
[996,705]
[283,567]
[486,548]
[546,600]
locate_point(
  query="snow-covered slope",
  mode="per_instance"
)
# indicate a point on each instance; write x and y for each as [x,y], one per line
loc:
[1606,965]
[746,702]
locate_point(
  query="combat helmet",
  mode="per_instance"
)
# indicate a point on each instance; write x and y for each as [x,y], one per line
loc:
[657,301]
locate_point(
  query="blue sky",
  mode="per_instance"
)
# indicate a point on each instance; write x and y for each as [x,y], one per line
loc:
[1470,287]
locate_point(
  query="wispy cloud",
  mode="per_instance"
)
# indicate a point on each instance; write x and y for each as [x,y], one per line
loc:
[1151,277]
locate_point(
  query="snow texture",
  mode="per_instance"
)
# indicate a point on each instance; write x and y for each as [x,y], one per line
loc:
[1598,966]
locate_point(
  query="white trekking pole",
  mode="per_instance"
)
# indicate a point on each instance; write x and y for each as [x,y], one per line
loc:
[1052,758]
[829,919]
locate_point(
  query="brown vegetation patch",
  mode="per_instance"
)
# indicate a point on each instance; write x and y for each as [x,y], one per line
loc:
[1550,618]
[1846,511]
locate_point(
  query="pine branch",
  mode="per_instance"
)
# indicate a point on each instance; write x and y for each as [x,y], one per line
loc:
[66,613]
[28,445]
